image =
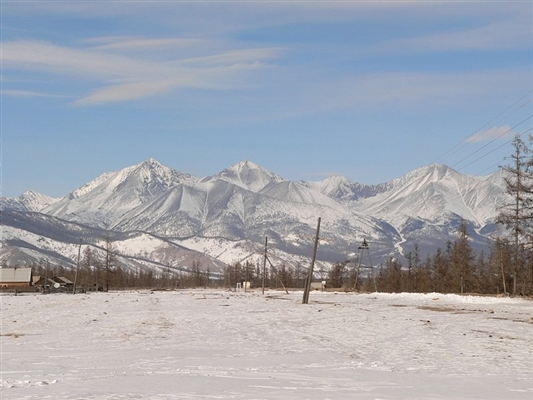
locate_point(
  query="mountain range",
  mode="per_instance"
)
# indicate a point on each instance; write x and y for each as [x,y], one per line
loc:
[158,217]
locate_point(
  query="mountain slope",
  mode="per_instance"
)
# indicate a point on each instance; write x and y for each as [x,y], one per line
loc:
[343,190]
[229,214]
[433,193]
[109,196]
[246,174]
[33,237]
[28,201]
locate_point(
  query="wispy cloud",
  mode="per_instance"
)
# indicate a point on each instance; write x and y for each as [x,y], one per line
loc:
[125,92]
[496,132]
[131,77]
[27,93]
[135,43]
[403,90]
[511,33]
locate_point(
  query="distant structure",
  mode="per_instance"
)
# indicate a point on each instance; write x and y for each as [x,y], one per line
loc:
[362,248]
[15,278]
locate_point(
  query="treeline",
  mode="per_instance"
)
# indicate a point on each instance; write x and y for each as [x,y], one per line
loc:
[100,271]
[456,269]
[274,277]
[506,268]
[93,275]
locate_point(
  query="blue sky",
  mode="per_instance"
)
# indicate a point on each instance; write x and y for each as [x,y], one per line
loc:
[367,90]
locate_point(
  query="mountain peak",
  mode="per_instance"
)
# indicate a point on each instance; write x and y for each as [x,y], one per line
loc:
[115,193]
[343,189]
[28,201]
[151,162]
[248,175]
[245,166]
[337,180]
[429,173]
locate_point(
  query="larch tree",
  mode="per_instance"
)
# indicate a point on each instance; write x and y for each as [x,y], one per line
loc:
[516,214]
[110,261]
[462,261]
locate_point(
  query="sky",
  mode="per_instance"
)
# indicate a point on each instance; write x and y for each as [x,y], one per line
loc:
[368,90]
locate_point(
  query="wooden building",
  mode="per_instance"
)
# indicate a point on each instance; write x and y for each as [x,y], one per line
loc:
[15,278]
[64,283]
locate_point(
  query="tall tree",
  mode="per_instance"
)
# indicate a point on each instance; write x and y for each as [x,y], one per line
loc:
[462,262]
[516,215]
[110,261]
[337,275]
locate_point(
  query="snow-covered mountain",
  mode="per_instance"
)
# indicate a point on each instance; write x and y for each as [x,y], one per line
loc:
[228,215]
[427,205]
[101,201]
[32,237]
[433,193]
[28,201]
[247,175]
[344,190]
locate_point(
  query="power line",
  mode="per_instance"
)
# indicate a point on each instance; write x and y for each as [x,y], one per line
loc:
[489,143]
[499,147]
[481,130]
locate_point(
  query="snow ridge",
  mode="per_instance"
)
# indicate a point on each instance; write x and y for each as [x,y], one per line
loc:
[231,212]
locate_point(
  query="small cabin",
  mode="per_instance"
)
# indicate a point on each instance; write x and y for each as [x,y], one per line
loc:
[15,278]
[44,283]
[63,282]
[318,285]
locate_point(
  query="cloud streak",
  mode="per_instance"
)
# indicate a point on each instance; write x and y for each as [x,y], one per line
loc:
[496,132]
[508,34]
[27,93]
[135,43]
[126,78]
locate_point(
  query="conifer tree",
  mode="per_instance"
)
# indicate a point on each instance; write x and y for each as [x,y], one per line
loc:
[463,261]
[516,215]
[110,261]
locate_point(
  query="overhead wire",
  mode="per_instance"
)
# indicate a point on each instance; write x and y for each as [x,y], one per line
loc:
[497,148]
[489,143]
[481,130]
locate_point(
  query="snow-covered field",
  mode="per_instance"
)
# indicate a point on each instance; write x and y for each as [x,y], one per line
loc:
[209,344]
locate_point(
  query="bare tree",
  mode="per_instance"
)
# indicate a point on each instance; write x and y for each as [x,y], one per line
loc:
[462,261]
[110,261]
[516,215]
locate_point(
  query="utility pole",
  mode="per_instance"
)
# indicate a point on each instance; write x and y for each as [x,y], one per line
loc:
[44,267]
[307,288]
[265,264]
[77,269]
[246,276]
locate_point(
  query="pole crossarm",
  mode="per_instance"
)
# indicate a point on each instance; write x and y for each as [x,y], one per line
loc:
[362,248]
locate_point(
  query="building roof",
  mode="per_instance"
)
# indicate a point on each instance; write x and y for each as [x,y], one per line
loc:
[44,281]
[14,275]
[62,280]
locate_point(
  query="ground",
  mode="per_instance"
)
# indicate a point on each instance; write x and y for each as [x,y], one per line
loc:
[216,344]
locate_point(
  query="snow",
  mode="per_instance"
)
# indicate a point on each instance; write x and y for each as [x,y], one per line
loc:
[214,344]
[247,202]
[248,175]
[137,244]
[36,244]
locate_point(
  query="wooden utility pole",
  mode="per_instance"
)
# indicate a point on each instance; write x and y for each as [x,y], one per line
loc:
[307,288]
[77,269]
[279,278]
[265,264]
[246,276]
